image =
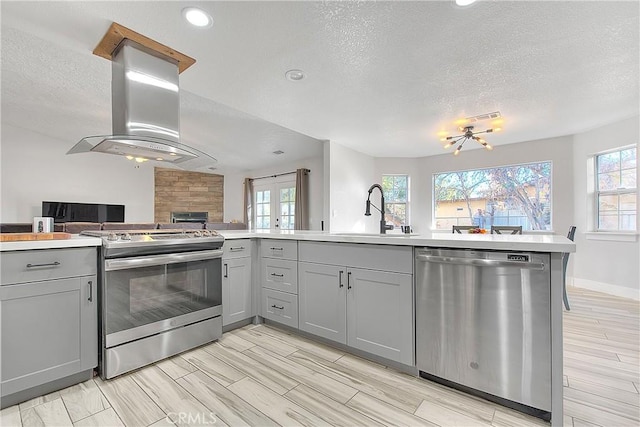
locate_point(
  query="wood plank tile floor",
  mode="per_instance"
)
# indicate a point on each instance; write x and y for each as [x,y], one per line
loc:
[261,376]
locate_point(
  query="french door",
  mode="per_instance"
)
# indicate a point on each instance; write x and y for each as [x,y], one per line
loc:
[274,205]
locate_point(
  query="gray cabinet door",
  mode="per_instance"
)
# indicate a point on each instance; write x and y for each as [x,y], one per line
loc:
[322,300]
[236,290]
[89,324]
[49,331]
[380,313]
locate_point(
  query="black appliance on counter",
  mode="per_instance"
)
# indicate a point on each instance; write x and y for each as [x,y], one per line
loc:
[200,217]
[82,212]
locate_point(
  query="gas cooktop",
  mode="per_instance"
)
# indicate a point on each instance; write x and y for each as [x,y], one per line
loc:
[173,237]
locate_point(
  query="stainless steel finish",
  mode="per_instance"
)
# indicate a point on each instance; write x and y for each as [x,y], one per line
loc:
[483,322]
[160,294]
[148,261]
[132,334]
[145,111]
[133,355]
[481,262]
[49,264]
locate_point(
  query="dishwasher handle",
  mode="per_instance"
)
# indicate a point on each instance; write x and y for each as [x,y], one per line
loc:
[481,262]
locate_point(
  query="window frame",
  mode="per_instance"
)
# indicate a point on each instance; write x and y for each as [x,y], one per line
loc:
[406,203]
[617,192]
[274,186]
[512,165]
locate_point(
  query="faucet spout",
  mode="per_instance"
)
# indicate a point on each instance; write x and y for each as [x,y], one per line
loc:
[383,223]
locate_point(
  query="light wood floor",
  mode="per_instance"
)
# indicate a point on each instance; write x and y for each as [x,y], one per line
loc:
[262,376]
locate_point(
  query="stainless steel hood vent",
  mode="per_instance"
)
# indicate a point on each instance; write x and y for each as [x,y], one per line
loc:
[145,110]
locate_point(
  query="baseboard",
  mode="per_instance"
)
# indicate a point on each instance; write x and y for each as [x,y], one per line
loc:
[605,288]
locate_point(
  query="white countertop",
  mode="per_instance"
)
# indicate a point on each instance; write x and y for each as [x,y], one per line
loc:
[76,241]
[523,242]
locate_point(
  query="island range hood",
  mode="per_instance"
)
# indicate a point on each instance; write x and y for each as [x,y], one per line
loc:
[145,103]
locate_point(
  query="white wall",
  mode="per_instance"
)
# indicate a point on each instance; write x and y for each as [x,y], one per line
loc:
[607,266]
[234,189]
[351,175]
[558,150]
[35,167]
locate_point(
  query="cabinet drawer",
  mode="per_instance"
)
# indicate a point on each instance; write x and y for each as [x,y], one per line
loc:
[280,274]
[45,264]
[398,259]
[284,249]
[280,307]
[236,248]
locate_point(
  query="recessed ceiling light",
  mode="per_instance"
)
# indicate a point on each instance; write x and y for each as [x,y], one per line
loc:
[294,75]
[197,17]
[465,2]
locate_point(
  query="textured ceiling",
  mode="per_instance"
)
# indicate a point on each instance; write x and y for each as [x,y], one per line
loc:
[381,77]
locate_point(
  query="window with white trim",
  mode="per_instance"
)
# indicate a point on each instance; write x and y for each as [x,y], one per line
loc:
[275,204]
[396,199]
[506,195]
[616,190]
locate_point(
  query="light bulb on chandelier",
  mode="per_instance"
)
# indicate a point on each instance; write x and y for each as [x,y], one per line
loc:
[467,135]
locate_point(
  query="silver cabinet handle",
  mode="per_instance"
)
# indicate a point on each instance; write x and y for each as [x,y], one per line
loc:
[49,264]
[241,248]
[340,284]
[277,249]
[226,270]
[349,280]
[481,262]
[279,308]
[277,275]
[90,299]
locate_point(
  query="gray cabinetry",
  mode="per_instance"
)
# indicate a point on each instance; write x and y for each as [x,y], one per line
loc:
[236,281]
[279,281]
[355,302]
[48,320]
[322,300]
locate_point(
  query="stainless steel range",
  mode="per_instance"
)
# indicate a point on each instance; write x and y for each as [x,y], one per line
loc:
[160,293]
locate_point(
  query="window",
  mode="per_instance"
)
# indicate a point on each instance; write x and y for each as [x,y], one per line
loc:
[616,204]
[275,205]
[396,197]
[287,208]
[263,210]
[508,195]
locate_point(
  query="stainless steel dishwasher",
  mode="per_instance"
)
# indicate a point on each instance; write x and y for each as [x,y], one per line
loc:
[483,324]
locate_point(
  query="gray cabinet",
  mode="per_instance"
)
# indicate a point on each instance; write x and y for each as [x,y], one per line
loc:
[279,281]
[322,300]
[236,290]
[362,307]
[49,327]
[380,313]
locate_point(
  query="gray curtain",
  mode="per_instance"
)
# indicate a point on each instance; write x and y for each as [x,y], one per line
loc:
[248,203]
[302,200]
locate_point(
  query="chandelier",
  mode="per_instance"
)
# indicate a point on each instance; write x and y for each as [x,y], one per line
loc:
[467,135]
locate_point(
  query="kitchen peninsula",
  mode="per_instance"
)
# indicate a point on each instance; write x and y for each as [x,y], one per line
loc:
[358,291]
[361,292]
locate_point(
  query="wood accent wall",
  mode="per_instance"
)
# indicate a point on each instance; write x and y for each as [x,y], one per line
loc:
[184,191]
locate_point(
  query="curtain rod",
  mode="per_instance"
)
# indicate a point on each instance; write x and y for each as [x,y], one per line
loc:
[278,174]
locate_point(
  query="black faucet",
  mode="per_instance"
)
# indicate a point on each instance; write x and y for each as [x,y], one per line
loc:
[383,224]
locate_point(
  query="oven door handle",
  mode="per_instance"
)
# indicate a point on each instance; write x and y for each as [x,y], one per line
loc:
[149,261]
